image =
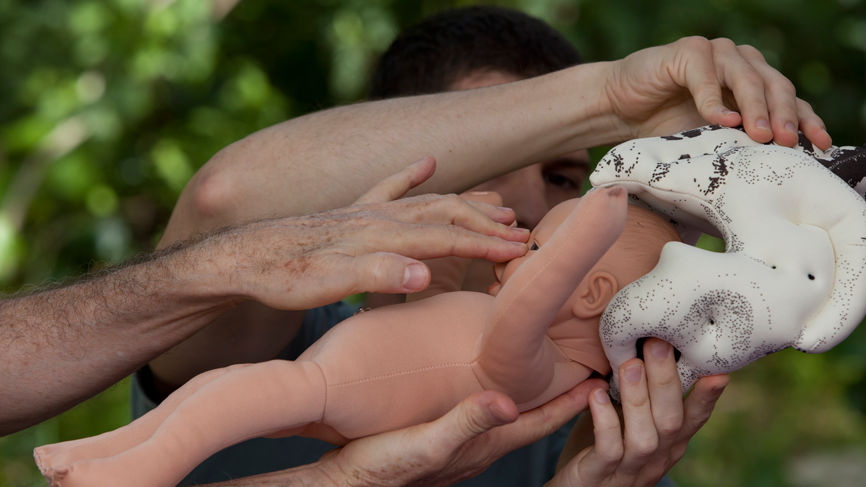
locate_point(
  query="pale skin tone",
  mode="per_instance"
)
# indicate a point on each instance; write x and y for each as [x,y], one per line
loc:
[511,341]
[65,345]
[596,467]
[330,158]
[646,94]
[653,92]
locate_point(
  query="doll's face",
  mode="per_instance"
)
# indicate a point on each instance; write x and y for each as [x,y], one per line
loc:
[537,239]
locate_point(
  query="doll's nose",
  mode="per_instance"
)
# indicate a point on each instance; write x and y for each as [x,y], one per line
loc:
[498,270]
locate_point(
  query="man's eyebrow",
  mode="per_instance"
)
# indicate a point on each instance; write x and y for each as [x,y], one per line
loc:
[568,162]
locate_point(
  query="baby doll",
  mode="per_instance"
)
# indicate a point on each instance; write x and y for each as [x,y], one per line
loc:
[400,365]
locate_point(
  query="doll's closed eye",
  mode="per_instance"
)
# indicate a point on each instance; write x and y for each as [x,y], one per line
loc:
[534,246]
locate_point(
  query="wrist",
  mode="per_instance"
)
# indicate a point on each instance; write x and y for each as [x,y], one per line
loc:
[588,115]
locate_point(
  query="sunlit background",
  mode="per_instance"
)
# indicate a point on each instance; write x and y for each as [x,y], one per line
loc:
[108,107]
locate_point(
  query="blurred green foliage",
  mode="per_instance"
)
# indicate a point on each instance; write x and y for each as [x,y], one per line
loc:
[108,107]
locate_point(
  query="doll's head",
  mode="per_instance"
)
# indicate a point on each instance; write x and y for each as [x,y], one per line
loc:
[635,253]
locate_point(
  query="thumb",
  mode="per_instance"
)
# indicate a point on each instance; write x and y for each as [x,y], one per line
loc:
[474,416]
[385,272]
[395,186]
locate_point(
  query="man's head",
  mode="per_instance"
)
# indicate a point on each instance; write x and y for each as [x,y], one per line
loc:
[436,54]
[483,46]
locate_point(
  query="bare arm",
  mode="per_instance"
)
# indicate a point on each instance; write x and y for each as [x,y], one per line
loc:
[62,346]
[327,159]
[65,345]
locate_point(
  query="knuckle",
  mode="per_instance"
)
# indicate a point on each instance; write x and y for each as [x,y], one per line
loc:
[678,451]
[699,422]
[670,426]
[611,455]
[454,199]
[379,270]
[696,41]
[644,446]
[787,86]
[749,51]
[724,43]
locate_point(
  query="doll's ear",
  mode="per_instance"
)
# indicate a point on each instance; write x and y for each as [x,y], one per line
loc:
[594,294]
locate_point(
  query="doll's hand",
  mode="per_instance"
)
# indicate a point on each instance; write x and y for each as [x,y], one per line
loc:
[658,425]
[656,91]
[457,446]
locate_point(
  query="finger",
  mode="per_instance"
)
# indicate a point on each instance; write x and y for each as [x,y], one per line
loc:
[472,417]
[490,203]
[489,197]
[434,241]
[603,458]
[384,272]
[699,405]
[747,85]
[397,185]
[698,73]
[537,423]
[452,209]
[781,98]
[665,390]
[641,439]
[499,214]
[812,126]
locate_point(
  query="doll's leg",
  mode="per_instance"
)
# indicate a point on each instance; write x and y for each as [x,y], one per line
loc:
[254,401]
[111,443]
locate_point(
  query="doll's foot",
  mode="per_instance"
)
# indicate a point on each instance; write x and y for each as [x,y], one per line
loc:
[108,472]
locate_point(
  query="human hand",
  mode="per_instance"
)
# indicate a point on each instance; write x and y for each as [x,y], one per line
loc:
[455,447]
[658,425]
[374,246]
[683,85]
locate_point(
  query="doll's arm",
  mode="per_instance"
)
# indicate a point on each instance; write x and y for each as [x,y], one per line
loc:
[513,357]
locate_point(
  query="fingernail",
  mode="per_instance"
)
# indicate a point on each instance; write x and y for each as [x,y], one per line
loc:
[616,190]
[660,350]
[719,389]
[725,111]
[414,277]
[633,373]
[522,231]
[505,208]
[601,397]
[791,128]
[481,193]
[517,243]
[419,161]
[762,124]
[497,414]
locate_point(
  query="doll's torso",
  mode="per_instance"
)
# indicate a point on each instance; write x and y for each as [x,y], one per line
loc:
[402,365]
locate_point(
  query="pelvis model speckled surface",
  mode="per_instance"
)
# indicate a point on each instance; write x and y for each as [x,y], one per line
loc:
[793,273]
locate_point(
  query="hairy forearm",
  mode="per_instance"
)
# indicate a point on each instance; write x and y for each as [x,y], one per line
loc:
[328,159]
[319,474]
[62,346]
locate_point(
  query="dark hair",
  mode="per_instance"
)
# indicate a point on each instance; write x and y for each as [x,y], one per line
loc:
[436,52]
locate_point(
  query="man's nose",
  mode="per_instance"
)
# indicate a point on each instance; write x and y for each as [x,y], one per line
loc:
[532,204]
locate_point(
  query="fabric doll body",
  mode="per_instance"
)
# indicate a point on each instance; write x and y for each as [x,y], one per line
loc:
[378,371]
